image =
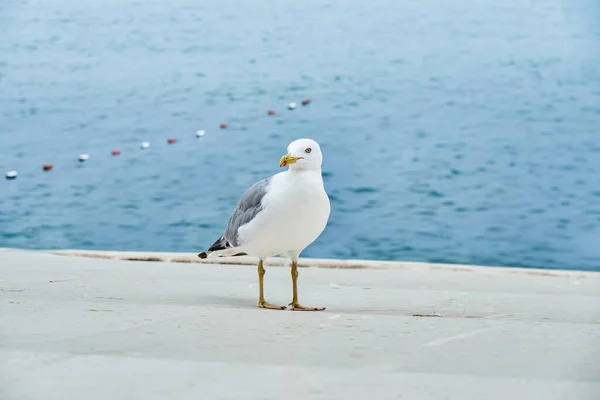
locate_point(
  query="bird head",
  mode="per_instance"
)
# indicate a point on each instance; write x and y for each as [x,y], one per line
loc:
[303,154]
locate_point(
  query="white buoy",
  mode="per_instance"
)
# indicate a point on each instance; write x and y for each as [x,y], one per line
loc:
[83,157]
[292,106]
[200,133]
[145,145]
[11,174]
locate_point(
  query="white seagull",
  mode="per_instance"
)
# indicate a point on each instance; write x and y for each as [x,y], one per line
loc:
[279,215]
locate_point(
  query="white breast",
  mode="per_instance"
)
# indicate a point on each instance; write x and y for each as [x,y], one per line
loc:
[295,212]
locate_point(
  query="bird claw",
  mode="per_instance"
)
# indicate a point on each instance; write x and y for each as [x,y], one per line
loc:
[264,304]
[298,307]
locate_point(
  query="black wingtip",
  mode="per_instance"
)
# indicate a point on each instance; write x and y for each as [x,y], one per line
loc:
[203,255]
[220,244]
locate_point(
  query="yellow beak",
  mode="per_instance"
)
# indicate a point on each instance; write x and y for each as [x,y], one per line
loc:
[287,160]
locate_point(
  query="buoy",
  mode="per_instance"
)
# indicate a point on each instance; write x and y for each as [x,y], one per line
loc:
[84,157]
[115,152]
[200,133]
[48,167]
[292,106]
[271,112]
[11,174]
[305,102]
[171,140]
[145,145]
[224,126]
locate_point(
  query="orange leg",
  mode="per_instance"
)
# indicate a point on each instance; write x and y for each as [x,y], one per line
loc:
[261,296]
[295,305]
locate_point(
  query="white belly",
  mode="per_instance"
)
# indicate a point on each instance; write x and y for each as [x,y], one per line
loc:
[295,212]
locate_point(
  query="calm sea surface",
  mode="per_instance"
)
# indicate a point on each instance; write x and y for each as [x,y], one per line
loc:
[453,131]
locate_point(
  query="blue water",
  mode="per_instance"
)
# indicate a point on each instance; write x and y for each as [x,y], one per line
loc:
[460,132]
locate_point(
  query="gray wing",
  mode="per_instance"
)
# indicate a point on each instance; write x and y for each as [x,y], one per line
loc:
[246,209]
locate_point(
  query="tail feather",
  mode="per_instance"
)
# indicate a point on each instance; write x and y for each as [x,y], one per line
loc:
[221,248]
[220,244]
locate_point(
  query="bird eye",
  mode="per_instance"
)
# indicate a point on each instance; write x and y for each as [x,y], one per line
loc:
[308,150]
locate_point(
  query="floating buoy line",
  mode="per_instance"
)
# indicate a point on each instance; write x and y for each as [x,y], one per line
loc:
[145,145]
[11,175]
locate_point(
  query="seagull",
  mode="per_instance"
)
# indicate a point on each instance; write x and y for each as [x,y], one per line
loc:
[280,215]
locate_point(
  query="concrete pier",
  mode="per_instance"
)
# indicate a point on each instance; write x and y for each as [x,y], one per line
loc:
[95,328]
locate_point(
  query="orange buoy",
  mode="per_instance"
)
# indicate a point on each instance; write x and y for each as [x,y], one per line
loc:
[305,102]
[48,167]
[171,140]
[271,112]
[224,126]
[115,152]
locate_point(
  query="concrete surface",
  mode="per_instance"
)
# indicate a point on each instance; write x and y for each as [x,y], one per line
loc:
[81,328]
[303,262]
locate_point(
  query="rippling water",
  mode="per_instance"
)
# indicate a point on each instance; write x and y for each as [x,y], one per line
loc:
[461,132]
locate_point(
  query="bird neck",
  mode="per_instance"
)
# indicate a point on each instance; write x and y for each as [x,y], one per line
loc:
[308,171]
